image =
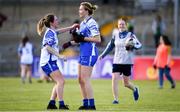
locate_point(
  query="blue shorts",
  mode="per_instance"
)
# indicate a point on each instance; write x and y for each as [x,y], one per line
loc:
[88,60]
[50,67]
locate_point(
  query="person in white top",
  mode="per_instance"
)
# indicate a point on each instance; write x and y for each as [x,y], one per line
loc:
[48,28]
[124,42]
[25,52]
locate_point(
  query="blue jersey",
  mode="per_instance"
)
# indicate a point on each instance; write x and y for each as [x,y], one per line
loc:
[50,38]
[89,28]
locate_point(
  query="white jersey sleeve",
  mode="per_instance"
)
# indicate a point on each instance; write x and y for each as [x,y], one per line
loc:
[93,27]
[137,44]
[49,38]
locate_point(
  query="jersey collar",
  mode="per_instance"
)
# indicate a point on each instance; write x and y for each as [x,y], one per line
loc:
[87,19]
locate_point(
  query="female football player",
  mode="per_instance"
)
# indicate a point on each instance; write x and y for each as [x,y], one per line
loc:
[25,52]
[88,35]
[47,27]
[124,43]
[88,53]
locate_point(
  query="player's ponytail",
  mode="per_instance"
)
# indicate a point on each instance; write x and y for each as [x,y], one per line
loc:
[40,26]
[94,7]
[44,22]
[89,7]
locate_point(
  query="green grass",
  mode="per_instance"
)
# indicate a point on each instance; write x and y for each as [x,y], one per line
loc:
[15,96]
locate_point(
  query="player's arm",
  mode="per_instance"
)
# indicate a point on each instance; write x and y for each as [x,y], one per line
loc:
[94,29]
[137,44]
[62,30]
[169,56]
[68,44]
[20,53]
[108,48]
[77,37]
[52,51]
[49,42]
[96,39]
[74,43]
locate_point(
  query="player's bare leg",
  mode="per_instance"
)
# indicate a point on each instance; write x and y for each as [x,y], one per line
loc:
[86,87]
[29,73]
[23,73]
[82,89]
[86,75]
[131,86]
[82,84]
[59,88]
[58,78]
[127,83]
[54,93]
[115,87]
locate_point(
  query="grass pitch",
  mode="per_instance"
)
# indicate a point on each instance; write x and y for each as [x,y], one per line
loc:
[15,96]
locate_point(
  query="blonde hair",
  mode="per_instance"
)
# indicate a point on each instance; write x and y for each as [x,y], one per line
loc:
[123,19]
[89,7]
[44,22]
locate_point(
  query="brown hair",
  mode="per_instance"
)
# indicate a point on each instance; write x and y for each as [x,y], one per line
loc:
[25,39]
[44,22]
[166,40]
[89,7]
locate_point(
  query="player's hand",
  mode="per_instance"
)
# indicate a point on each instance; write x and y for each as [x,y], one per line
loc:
[167,67]
[154,66]
[66,45]
[77,37]
[62,57]
[74,26]
[129,47]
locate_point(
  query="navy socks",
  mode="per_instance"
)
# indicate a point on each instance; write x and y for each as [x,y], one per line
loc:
[85,102]
[52,102]
[61,103]
[91,102]
[88,102]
